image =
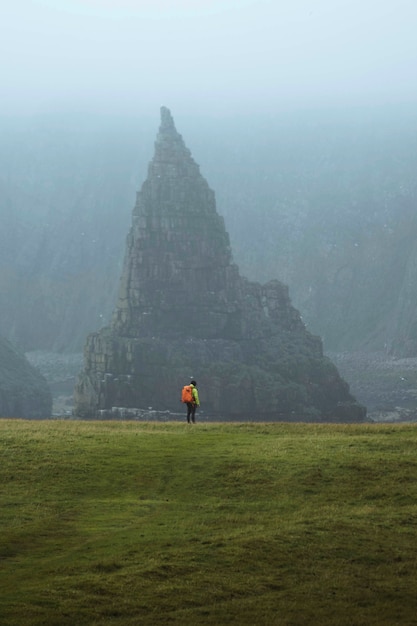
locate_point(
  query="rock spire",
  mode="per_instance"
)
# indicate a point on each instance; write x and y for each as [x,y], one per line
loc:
[177,271]
[184,310]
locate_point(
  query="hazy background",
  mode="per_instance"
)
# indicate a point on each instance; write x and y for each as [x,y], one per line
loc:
[303,118]
[200,57]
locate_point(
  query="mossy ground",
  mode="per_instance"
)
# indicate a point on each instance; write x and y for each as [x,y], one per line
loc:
[147,523]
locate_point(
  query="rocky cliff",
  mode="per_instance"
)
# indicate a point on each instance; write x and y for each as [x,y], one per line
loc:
[23,390]
[184,311]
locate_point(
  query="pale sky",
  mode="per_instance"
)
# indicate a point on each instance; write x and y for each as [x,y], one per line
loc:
[220,56]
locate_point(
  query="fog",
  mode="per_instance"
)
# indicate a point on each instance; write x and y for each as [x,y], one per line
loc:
[302,116]
[205,57]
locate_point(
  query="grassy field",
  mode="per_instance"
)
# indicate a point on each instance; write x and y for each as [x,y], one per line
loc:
[264,524]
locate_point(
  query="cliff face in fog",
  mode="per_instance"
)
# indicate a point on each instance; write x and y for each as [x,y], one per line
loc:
[326,206]
[333,212]
[183,307]
[63,204]
[354,277]
[24,392]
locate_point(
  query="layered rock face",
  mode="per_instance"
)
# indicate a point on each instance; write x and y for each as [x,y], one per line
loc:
[184,311]
[24,391]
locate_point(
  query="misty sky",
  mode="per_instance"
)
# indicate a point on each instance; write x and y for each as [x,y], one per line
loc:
[201,56]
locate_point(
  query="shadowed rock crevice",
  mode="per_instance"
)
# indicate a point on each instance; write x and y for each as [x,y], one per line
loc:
[184,311]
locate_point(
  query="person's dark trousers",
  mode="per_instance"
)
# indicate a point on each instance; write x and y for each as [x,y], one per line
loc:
[191,407]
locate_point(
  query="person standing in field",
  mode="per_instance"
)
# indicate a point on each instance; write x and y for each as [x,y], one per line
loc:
[191,399]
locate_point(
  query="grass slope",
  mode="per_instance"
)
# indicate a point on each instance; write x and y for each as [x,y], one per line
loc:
[268,524]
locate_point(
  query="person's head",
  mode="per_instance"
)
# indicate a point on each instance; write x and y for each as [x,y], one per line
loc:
[193,383]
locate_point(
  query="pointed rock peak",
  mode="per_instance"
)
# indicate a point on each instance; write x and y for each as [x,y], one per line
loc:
[183,306]
[167,122]
[169,144]
[167,130]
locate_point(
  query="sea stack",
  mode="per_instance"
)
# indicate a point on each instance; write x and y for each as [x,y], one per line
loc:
[185,312]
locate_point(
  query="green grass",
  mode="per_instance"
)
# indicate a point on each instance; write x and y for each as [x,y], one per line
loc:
[262,524]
